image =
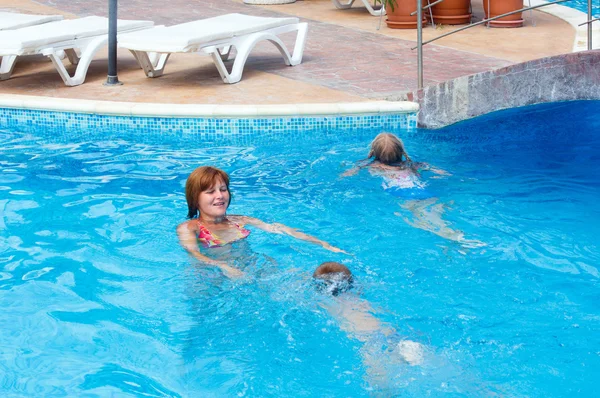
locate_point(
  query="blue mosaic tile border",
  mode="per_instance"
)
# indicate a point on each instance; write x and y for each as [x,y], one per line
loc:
[58,123]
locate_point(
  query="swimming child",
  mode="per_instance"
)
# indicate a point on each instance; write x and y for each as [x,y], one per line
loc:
[384,351]
[391,161]
[355,315]
[208,197]
[402,178]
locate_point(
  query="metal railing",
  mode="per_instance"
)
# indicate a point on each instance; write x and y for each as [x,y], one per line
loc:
[589,24]
[421,43]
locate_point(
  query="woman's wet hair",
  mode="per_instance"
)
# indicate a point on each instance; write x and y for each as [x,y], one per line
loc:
[332,278]
[200,180]
[388,149]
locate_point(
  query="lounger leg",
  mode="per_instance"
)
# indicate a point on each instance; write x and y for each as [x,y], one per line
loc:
[135,55]
[225,52]
[343,6]
[296,57]
[226,76]
[243,51]
[7,66]
[72,55]
[373,11]
[153,64]
[299,46]
[87,54]
[244,47]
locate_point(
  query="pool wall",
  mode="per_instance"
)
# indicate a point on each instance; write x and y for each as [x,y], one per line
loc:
[59,116]
[566,77]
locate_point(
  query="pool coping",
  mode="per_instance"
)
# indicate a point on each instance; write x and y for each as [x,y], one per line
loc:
[203,110]
[16,101]
[574,18]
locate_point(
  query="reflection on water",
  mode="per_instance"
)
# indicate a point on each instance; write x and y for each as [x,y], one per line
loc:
[582,5]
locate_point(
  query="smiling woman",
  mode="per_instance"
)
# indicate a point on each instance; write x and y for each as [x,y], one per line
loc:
[208,197]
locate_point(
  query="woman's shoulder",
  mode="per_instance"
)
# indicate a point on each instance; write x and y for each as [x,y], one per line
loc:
[192,225]
[238,219]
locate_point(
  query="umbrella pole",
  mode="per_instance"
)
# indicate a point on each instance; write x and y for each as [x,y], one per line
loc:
[112,78]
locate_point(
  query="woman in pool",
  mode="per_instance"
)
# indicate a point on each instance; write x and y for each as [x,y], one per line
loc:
[208,197]
[401,177]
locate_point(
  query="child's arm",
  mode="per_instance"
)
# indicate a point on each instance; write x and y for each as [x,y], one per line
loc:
[420,166]
[277,228]
[187,233]
[350,172]
[360,165]
[439,172]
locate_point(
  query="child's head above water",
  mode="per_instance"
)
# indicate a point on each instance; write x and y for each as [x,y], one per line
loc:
[333,278]
[388,149]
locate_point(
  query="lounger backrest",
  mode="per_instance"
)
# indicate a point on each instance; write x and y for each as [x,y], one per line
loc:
[13,20]
[61,31]
[178,38]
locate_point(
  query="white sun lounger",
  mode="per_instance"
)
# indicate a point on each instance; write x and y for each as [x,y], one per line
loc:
[214,36]
[348,4]
[13,20]
[84,35]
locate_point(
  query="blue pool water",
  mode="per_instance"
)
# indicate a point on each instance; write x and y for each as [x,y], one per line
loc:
[98,298]
[582,5]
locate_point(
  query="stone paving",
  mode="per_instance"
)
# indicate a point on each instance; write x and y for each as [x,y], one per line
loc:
[346,58]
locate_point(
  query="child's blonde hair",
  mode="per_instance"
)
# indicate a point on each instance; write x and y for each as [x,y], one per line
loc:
[388,149]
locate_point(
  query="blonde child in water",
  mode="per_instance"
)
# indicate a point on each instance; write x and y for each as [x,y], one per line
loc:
[208,197]
[388,159]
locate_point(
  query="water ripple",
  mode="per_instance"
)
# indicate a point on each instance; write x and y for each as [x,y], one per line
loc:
[98,298]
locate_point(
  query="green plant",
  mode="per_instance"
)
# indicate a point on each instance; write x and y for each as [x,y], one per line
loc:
[386,3]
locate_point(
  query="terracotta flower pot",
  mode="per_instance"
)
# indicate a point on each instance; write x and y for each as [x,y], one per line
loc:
[452,12]
[400,17]
[499,7]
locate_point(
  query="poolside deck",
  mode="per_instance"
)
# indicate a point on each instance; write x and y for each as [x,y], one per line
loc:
[382,65]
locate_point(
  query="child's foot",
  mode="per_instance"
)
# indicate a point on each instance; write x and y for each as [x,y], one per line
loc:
[411,352]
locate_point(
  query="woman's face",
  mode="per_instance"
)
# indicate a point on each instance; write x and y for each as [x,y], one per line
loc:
[214,201]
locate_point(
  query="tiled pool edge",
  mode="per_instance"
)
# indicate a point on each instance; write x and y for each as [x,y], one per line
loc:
[202,110]
[28,113]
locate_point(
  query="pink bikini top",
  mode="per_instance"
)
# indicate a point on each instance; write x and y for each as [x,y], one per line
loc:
[209,239]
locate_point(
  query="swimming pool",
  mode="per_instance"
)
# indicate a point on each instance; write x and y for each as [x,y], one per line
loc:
[99,298]
[582,5]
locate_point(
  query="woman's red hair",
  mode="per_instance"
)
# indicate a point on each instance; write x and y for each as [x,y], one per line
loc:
[200,180]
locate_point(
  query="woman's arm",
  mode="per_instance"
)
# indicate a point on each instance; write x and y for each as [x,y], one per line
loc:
[277,228]
[187,233]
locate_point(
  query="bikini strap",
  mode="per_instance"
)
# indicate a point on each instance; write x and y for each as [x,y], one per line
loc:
[205,236]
